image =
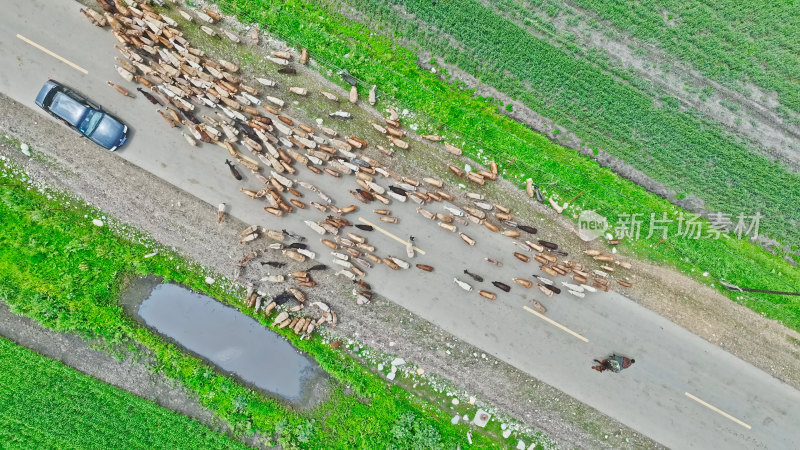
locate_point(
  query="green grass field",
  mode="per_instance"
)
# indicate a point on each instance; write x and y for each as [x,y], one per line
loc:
[443,108]
[46,404]
[65,273]
[729,41]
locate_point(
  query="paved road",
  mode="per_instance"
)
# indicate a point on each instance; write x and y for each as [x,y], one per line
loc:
[658,396]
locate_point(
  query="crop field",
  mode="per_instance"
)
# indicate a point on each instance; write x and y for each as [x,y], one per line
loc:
[76,291]
[49,405]
[729,41]
[675,147]
[442,108]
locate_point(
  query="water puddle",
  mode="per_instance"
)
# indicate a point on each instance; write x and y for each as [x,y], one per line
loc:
[232,341]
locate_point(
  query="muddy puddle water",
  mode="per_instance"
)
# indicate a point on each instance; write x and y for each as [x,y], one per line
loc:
[230,340]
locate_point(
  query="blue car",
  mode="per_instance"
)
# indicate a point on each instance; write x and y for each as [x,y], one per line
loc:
[82,115]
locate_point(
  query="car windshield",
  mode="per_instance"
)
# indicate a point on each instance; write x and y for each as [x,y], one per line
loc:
[89,124]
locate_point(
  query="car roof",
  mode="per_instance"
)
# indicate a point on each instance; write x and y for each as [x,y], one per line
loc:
[68,108]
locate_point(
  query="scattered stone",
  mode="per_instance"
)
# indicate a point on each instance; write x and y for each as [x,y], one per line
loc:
[398,362]
[481,418]
[210,280]
[506,434]
[150,255]
[391,375]
[455,419]
[472,400]
[254,36]
[420,371]
[455,401]
[520,445]
[97,222]
[25,149]
[380,366]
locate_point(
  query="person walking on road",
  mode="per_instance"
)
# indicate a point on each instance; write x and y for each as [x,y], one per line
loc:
[614,363]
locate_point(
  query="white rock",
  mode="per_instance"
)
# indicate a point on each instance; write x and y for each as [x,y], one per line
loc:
[210,280]
[150,255]
[506,434]
[25,149]
[390,375]
[97,222]
[465,418]
[455,401]
[455,419]
[467,168]
[380,366]
[503,426]
[472,400]
[609,236]
[520,445]
[398,362]
[705,274]
[481,418]
[391,344]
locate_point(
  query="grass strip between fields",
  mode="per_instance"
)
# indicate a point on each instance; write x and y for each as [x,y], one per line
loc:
[46,404]
[730,41]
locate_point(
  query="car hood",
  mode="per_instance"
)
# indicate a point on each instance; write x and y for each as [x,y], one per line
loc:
[109,132]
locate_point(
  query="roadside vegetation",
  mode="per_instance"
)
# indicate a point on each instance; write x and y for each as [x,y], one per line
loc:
[49,405]
[61,270]
[440,107]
